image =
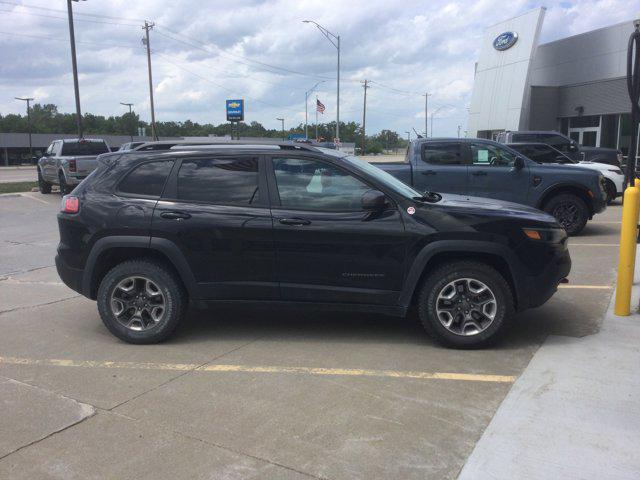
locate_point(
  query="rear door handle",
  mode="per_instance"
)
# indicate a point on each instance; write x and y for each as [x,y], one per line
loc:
[175,215]
[481,173]
[429,172]
[295,221]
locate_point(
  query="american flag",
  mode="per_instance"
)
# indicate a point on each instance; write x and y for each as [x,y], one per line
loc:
[319,106]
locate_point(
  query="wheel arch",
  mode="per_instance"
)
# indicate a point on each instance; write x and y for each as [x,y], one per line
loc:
[438,253]
[110,251]
[577,190]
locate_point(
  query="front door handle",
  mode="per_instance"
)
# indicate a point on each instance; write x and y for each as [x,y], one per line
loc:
[481,173]
[298,222]
[175,215]
[429,172]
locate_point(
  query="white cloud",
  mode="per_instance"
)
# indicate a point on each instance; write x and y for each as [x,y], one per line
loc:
[204,52]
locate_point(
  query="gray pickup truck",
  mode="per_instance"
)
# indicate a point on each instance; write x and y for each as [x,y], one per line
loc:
[567,146]
[483,168]
[67,162]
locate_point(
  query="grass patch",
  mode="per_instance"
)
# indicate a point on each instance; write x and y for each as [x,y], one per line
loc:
[15,187]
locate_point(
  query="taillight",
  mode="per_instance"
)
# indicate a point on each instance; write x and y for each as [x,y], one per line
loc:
[72,166]
[70,204]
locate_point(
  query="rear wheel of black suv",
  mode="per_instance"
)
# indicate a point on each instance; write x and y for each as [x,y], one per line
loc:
[140,301]
[465,304]
[570,211]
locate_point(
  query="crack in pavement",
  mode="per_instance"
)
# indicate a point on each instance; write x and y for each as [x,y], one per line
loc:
[2,312]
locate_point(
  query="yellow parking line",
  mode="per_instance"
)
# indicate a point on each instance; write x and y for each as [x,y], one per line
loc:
[594,244]
[353,372]
[592,287]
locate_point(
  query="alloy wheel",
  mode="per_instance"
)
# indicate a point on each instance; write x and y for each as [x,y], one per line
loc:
[137,303]
[466,306]
[567,214]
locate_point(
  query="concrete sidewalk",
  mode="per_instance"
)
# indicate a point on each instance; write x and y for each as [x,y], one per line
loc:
[574,412]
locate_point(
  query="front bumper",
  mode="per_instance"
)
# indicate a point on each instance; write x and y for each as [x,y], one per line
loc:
[541,287]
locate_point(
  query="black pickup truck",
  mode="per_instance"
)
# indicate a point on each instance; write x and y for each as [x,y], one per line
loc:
[484,168]
[567,146]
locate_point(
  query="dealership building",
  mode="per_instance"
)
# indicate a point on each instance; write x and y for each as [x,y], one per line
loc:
[575,85]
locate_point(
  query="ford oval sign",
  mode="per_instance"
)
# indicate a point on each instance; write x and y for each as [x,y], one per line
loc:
[505,40]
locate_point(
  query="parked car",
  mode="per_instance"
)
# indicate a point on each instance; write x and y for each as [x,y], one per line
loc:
[129,146]
[566,145]
[296,225]
[547,155]
[484,168]
[67,162]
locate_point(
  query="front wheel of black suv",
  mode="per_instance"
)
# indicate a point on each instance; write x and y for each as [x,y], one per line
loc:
[141,302]
[570,211]
[465,304]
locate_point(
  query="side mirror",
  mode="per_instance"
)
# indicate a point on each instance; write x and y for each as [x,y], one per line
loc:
[518,163]
[374,201]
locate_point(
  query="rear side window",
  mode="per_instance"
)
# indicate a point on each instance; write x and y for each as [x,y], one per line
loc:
[147,179]
[443,153]
[84,148]
[223,181]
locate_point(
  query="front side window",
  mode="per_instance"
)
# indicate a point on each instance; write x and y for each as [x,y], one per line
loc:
[223,181]
[490,155]
[443,153]
[538,153]
[147,179]
[306,184]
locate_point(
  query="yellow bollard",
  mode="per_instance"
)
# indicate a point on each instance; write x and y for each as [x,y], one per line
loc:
[628,243]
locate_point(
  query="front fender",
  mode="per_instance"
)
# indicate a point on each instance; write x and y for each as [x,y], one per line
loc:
[463,247]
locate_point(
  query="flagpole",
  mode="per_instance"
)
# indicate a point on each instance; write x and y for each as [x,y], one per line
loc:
[316,118]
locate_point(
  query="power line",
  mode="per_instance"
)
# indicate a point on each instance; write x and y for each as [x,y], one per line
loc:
[62,18]
[38,7]
[57,39]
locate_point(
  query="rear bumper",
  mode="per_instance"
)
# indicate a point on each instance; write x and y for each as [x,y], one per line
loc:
[72,277]
[541,287]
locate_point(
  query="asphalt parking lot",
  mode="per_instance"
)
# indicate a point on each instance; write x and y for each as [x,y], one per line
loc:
[251,394]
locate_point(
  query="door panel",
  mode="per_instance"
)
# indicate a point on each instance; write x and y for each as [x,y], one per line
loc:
[442,167]
[492,175]
[328,250]
[229,248]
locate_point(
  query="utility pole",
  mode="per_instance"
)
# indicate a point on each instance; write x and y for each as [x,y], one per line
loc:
[145,41]
[28,124]
[74,64]
[364,116]
[130,118]
[282,120]
[426,111]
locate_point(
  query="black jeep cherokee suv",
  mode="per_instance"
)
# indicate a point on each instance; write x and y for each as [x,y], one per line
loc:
[146,233]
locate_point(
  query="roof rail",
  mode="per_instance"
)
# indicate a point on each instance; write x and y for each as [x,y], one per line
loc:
[241,145]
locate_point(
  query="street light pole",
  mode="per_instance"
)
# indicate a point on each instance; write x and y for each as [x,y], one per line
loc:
[74,64]
[306,109]
[282,120]
[335,41]
[364,116]
[128,105]
[148,26]
[28,124]
[408,136]
[426,110]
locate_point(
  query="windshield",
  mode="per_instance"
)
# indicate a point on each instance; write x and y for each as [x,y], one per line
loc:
[386,178]
[84,148]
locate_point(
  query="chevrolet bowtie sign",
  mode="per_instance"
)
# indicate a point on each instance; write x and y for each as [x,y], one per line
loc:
[235,110]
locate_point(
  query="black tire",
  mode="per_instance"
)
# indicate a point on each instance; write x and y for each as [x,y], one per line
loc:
[64,188]
[44,187]
[570,211]
[611,191]
[174,298]
[438,280]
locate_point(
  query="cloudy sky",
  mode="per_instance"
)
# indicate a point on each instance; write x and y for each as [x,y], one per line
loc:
[206,51]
